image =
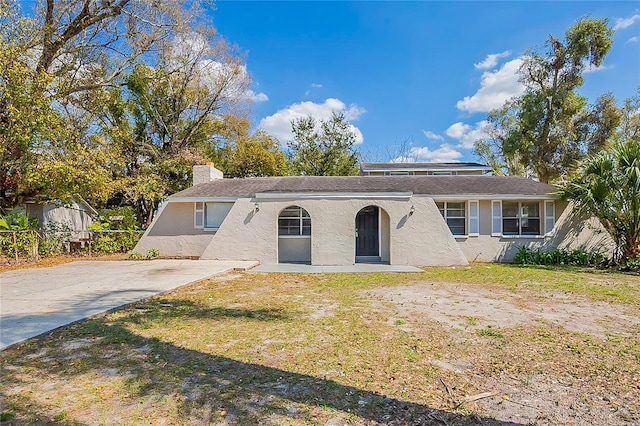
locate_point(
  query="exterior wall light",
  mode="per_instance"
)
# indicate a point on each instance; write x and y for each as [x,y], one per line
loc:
[256,207]
[412,210]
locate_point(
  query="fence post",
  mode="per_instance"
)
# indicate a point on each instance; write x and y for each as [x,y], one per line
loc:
[36,243]
[15,245]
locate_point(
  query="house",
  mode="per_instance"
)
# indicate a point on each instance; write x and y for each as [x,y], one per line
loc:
[73,217]
[418,169]
[406,220]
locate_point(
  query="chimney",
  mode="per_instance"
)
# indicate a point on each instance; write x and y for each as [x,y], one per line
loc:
[205,173]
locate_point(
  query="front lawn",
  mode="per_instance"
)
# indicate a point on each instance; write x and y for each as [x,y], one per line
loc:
[480,345]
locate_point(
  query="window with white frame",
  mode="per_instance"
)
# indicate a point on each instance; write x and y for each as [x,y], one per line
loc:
[521,218]
[294,221]
[453,213]
[209,216]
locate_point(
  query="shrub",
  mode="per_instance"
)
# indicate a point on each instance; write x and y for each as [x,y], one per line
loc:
[123,218]
[105,244]
[527,256]
[136,255]
[54,239]
[631,265]
[109,242]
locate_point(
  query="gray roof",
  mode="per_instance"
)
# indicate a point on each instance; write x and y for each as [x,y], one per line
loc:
[421,166]
[419,185]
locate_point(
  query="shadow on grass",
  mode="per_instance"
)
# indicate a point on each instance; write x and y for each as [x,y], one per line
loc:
[159,309]
[204,388]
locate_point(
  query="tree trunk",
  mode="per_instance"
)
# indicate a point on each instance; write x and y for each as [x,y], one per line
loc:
[631,250]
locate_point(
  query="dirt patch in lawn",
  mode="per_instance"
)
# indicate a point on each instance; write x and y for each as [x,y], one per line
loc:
[464,307]
[537,358]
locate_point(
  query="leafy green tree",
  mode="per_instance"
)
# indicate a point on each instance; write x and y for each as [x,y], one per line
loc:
[168,116]
[607,185]
[324,150]
[27,120]
[253,156]
[544,131]
[54,59]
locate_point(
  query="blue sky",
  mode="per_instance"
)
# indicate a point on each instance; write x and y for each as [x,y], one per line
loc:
[426,72]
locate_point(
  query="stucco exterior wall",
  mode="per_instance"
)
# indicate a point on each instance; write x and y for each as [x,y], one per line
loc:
[385,236]
[406,240]
[570,232]
[175,245]
[173,234]
[175,219]
[421,239]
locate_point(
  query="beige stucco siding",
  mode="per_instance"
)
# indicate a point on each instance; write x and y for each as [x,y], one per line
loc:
[421,239]
[175,219]
[175,245]
[173,233]
[570,232]
[408,240]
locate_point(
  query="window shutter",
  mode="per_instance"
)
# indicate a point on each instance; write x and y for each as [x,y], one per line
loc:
[198,215]
[474,222]
[549,216]
[496,216]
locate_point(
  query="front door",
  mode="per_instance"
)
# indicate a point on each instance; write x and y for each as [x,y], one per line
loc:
[367,232]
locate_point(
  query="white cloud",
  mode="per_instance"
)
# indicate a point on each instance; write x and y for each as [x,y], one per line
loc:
[590,68]
[279,124]
[256,97]
[491,60]
[626,22]
[632,40]
[313,86]
[467,134]
[443,154]
[496,87]
[433,136]
[457,130]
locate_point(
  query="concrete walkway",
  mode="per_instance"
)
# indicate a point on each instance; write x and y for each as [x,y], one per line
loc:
[37,300]
[358,267]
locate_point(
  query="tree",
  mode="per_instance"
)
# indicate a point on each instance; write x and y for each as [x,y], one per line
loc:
[52,65]
[324,150]
[168,115]
[546,129]
[607,185]
[247,155]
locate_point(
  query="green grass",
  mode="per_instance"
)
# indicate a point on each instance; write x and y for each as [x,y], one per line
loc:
[308,349]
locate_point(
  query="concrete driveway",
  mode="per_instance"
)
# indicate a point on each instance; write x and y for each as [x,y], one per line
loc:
[34,301]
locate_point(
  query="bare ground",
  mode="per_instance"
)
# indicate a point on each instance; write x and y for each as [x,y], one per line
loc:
[537,397]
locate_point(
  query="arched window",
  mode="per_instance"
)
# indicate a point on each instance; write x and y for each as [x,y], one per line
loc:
[294,221]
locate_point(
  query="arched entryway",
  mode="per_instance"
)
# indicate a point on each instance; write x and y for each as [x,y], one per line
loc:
[372,235]
[294,235]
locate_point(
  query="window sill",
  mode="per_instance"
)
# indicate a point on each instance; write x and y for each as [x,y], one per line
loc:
[522,237]
[210,229]
[294,236]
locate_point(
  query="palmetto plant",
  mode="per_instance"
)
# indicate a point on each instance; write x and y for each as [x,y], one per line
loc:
[607,186]
[17,221]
